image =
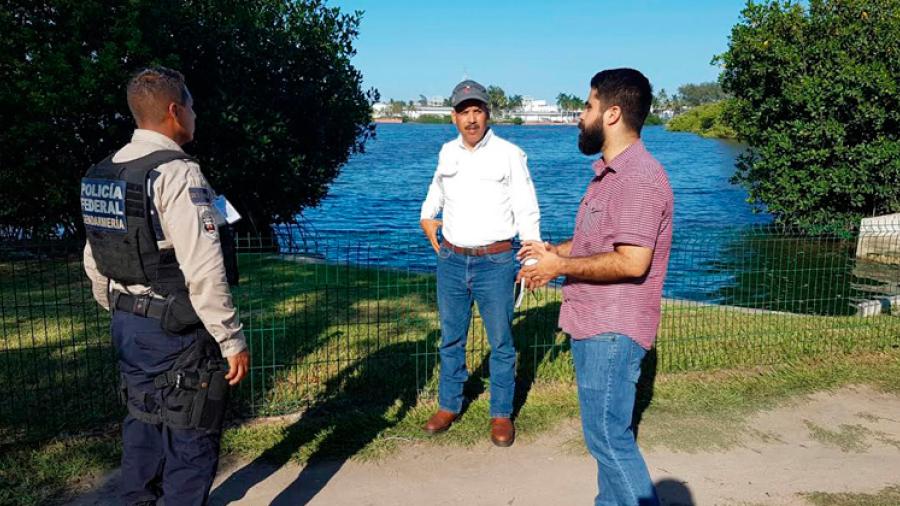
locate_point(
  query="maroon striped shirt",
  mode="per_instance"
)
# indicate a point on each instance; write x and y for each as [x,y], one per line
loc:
[628,202]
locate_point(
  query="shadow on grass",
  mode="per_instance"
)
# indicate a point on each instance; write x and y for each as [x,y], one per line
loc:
[351,415]
[645,388]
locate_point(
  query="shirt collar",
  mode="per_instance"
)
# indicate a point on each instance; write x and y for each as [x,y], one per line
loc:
[151,137]
[482,143]
[621,161]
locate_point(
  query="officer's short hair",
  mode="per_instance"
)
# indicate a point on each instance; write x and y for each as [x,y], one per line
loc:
[151,90]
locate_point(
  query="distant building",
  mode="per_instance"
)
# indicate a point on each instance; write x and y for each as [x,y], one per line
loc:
[535,110]
[532,111]
[531,104]
[423,110]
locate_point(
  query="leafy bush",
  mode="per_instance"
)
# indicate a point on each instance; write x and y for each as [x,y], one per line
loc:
[653,119]
[279,106]
[817,97]
[433,119]
[706,120]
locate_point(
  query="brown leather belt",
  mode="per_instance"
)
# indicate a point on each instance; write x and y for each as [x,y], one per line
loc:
[490,249]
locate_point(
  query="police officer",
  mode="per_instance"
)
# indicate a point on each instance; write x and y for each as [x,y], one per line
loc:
[160,257]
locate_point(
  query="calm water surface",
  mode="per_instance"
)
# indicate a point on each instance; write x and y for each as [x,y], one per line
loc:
[374,204]
[383,189]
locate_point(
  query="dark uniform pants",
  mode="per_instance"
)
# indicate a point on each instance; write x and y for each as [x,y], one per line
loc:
[178,464]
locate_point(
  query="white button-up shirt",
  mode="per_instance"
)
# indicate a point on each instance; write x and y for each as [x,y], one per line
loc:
[486,193]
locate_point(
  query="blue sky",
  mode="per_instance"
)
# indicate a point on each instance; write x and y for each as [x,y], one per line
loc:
[537,48]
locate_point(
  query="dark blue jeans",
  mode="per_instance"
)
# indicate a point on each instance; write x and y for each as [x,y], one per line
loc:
[487,280]
[607,367]
[158,461]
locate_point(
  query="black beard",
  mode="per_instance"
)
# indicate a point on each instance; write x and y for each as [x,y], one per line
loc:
[591,138]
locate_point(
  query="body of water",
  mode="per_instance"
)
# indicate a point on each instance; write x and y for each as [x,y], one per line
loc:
[371,214]
[383,189]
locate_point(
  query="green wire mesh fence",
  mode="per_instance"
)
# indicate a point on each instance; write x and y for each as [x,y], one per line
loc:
[342,316]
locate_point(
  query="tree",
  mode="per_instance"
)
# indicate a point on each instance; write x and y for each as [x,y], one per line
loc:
[567,102]
[514,102]
[396,108]
[423,101]
[280,107]
[817,97]
[693,95]
[497,98]
[661,100]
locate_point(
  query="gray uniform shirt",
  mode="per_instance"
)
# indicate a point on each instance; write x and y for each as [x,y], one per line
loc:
[197,249]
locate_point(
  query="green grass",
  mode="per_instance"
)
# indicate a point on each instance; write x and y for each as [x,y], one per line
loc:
[355,350]
[45,473]
[889,496]
[695,411]
[314,329]
[692,411]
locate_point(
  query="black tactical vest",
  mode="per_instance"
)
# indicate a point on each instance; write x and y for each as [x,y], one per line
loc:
[120,221]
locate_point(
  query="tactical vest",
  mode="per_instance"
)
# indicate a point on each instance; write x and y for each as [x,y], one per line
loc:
[122,228]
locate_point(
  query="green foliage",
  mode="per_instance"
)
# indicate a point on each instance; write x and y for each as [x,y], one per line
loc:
[396,108]
[517,121]
[433,119]
[568,102]
[280,107]
[706,120]
[498,101]
[688,95]
[704,93]
[817,97]
[653,119]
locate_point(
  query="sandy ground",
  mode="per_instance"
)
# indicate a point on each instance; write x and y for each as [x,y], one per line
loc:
[845,441]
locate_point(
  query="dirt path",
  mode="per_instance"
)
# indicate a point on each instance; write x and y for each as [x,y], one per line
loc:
[847,441]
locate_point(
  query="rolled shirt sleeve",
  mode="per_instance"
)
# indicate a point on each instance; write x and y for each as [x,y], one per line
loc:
[526,212]
[99,282]
[639,213]
[186,225]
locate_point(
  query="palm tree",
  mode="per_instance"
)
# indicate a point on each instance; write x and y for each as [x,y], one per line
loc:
[514,102]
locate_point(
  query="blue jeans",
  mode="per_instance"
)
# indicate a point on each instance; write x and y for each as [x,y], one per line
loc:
[158,461]
[489,281]
[607,367]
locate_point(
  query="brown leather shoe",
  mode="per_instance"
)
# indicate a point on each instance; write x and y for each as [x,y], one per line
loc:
[439,422]
[503,432]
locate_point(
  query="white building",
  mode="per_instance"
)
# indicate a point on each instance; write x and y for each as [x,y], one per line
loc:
[539,111]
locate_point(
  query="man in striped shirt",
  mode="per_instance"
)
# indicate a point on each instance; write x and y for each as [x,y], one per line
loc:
[614,266]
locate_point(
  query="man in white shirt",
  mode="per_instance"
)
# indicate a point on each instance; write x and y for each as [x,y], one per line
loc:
[483,186]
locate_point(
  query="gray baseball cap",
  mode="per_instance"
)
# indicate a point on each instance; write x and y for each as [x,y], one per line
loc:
[468,90]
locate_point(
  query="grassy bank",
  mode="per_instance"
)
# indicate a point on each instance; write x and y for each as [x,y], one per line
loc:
[706,120]
[889,496]
[684,411]
[354,350]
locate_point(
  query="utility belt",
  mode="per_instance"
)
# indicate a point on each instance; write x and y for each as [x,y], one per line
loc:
[175,314]
[194,391]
